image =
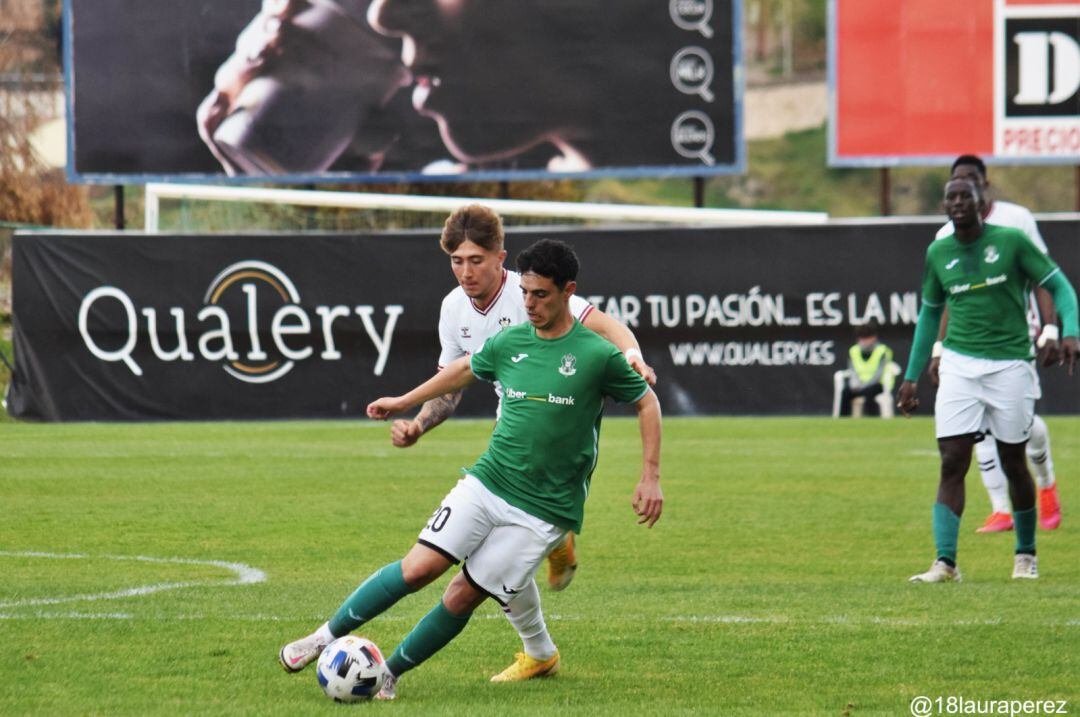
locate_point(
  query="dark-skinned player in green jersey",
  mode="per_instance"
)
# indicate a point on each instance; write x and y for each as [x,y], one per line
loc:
[988,382]
[517,502]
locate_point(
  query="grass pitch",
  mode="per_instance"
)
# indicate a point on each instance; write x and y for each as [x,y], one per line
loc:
[775,583]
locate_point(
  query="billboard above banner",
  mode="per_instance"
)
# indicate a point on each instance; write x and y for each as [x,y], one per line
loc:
[399,90]
[912,84]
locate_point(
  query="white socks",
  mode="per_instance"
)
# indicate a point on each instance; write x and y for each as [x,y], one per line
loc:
[525,615]
[324,635]
[997,485]
[1038,452]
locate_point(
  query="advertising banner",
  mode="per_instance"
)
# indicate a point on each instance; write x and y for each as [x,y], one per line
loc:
[914,85]
[735,321]
[397,90]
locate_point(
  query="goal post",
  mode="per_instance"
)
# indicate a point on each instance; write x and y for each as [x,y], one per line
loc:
[610,213]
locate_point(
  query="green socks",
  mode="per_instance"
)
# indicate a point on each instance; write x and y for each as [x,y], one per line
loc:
[384,588]
[434,631]
[1024,523]
[946,531]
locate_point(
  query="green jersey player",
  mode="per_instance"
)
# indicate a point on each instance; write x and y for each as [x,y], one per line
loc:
[528,489]
[1042,322]
[988,381]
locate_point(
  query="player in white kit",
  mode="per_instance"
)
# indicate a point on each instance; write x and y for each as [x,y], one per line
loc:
[1040,309]
[488,298]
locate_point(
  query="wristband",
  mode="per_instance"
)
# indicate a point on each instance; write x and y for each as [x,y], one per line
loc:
[631,353]
[1049,333]
[936,351]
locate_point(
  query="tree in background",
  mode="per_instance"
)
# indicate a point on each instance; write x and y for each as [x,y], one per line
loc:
[785,37]
[31,192]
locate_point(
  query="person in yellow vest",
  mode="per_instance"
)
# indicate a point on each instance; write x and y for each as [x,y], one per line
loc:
[870,374]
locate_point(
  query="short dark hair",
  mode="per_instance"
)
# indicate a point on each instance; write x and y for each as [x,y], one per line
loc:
[972,160]
[976,189]
[475,223]
[867,330]
[551,259]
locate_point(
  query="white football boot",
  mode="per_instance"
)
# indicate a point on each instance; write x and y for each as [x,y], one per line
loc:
[389,687]
[939,572]
[1025,567]
[299,654]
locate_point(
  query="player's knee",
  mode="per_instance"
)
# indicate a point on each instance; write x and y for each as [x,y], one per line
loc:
[461,597]
[954,465]
[422,566]
[1013,460]
[1039,436]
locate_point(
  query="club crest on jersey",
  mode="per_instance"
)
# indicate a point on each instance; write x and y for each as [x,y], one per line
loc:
[465,332]
[991,254]
[504,321]
[569,365]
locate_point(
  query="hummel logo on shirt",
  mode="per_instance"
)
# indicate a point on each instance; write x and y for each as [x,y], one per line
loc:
[952,263]
[519,357]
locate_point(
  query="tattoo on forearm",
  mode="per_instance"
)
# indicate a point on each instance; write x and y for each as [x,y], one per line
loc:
[438,410]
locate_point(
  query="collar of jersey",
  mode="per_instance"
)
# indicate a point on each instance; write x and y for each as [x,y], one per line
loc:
[573,328]
[486,309]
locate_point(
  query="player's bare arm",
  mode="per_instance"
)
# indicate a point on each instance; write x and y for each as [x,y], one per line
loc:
[906,400]
[1047,341]
[926,329]
[1065,302]
[619,334]
[453,378]
[648,501]
[404,433]
[1070,351]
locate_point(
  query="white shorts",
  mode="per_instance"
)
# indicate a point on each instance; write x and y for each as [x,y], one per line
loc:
[501,545]
[979,395]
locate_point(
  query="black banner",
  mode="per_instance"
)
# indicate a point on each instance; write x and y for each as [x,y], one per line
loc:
[380,90]
[736,321]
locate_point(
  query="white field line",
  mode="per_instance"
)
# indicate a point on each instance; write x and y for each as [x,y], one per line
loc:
[68,616]
[242,575]
[247,575]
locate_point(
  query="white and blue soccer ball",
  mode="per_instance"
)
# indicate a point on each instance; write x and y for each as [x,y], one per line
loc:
[351,669]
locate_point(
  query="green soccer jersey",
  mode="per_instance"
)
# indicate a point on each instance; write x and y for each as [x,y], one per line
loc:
[985,284]
[544,449]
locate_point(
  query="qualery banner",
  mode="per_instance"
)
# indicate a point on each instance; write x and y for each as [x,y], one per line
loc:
[735,321]
[399,90]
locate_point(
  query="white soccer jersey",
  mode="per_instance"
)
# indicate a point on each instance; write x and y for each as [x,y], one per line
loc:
[1007,214]
[464,327]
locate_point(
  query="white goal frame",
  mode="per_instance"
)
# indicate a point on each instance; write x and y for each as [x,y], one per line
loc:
[614,213]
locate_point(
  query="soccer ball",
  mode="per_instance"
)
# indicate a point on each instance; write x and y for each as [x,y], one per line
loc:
[351,669]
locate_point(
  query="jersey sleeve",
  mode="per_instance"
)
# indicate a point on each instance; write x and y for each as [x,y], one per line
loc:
[1036,265]
[621,382]
[580,308]
[483,362]
[933,293]
[449,348]
[1032,230]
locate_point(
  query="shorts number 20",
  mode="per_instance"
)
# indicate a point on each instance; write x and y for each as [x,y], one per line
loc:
[439,518]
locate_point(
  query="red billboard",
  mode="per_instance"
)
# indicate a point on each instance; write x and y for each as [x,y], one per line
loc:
[919,82]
